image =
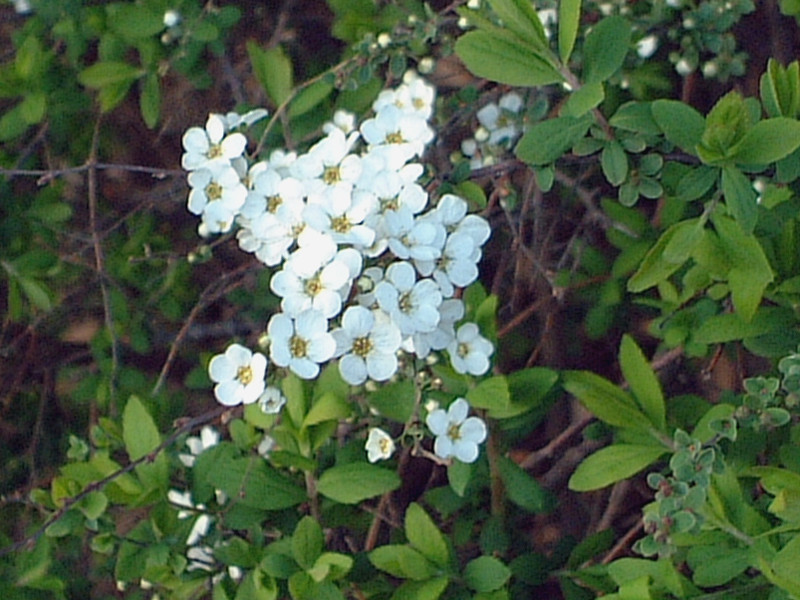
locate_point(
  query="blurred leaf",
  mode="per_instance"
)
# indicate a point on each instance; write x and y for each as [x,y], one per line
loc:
[395,400]
[33,107]
[614,163]
[251,480]
[729,327]
[307,542]
[402,561]
[522,489]
[310,97]
[486,574]
[329,406]
[611,464]
[134,21]
[107,73]
[605,48]
[605,400]
[548,140]
[767,141]
[491,394]
[520,17]
[150,100]
[273,69]
[636,117]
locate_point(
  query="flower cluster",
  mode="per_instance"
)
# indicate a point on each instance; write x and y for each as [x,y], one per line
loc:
[499,126]
[365,265]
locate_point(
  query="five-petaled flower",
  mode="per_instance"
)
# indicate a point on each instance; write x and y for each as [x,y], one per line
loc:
[457,436]
[380,445]
[239,375]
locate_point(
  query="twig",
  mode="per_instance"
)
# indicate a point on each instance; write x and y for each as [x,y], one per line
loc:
[185,427]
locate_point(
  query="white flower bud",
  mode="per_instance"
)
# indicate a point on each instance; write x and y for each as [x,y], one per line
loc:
[384,39]
[172,18]
[426,65]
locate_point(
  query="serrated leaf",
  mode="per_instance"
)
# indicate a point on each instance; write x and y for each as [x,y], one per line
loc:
[605,400]
[547,141]
[569,16]
[611,464]
[423,535]
[351,483]
[682,125]
[605,48]
[520,17]
[642,381]
[500,59]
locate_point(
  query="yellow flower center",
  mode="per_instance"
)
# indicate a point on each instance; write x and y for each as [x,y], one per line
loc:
[385,445]
[214,151]
[273,202]
[244,374]
[298,346]
[213,191]
[463,349]
[394,138]
[362,346]
[332,175]
[454,432]
[340,224]
[313,286]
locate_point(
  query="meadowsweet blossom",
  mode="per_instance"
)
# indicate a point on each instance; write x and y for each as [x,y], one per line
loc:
[211,145]
[367,344]
[300,344]
[379,446]
[469,351]
[457,435]
[208,438]
[239,374]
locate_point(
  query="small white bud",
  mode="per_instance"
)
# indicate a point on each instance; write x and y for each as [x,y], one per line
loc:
[710,69]
[172,18]
[683,67]
[384,39]
[426,65]
[463,23]
[481,134]
[474,4]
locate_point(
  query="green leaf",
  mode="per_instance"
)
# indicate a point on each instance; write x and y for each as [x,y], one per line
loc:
[696,183]
[643,381]
[394,400]
[682,125]
[614,163]
[150,100]
[486,574]
[423,535]
[430,589]
[528,390]
[583,100]
[327,407]
[605,400]
[784,566]
[767,141]
[491,394]
[636,117]
[729,327]
[139,431]
[256,585]
[657,265]
[520,17]
[504,60]
[750,271]
[93,505]
[134,21]
[354,482]
[717,565]
[402,561]
[522,489]
[36,292]
[780,89]
[307,542]
[548,140]
[331,566]
[108,73]
[611,464]
[33,107]
[310,97]
[569,16]
[605,48]
[458,476]
[273,69]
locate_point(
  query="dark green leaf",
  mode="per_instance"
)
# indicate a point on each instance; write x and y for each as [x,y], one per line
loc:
[522,489]
[569,16]
[307,542]
[767,141]
[520,17]
[583,100]
[605,400]
[150,100]
[394,400]
[614,163]
[636,117]
[106,73]
[486,574]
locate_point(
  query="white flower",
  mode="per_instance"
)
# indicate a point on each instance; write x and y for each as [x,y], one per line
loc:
[379,446]
[239,374]
[271,400]
[396,136]
[216,191]
[412,304]
[450,312]
[646,46]
[172,18]
[367,345]
[469,351]
[457,436]
[300,344]
[208,438]
[210,145]
[499,119]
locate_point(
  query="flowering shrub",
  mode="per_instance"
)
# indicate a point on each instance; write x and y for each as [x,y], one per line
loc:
[497,299]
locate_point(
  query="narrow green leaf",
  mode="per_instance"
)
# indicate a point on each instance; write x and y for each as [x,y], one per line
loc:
[606,46]
[682,125]
[401,561]
[729,327]
[767,141]
[611,464]
[327,407]
[784,565]
[150,100]
[354,482]
[310,97]
[696,182]
[520,17]
[486,574]
[36,293]
[642,381]
[33,107]
[273,69]
[605,400]
[458,476]
[307,542]
[506,61]
[614,163]
[684,241]
[423,535]
[582,100]
[548,140]
[569,16]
